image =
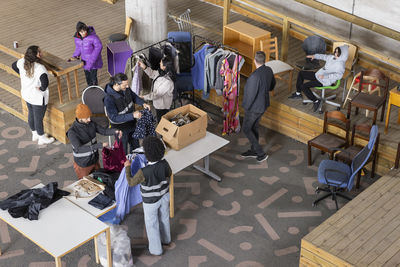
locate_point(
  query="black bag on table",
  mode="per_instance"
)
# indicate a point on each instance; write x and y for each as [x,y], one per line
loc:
[107,178]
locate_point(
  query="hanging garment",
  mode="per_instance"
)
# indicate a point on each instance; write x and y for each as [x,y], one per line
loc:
[170,51]
[29,202]
[231,95]
[144,79]
[136,85]
[210,70]
[198,68]
[145,126]
[114,157]
[130,64]
[127,196]
[182,41]
[219,79]
[155,56]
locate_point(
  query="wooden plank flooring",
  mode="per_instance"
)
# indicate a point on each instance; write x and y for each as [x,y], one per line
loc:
[365,232]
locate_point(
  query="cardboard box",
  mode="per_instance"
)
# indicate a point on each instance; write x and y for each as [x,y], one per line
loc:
[179,137]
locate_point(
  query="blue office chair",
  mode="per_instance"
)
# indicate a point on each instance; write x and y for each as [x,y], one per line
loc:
[338,175]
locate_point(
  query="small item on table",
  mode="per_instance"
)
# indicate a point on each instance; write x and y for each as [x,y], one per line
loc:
[87,187]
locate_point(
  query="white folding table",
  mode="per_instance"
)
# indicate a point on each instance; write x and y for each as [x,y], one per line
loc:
[201,149]
[84,202]
[61,228]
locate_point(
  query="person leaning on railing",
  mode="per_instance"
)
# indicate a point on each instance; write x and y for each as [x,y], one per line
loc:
[34,90]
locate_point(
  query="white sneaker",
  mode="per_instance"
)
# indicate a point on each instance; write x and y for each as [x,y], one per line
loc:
[35,136]
[44,140]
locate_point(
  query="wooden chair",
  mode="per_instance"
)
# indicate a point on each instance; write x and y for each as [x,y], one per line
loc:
[350,62]
[117,37]
[367,101]
[329,140]
[340,176]
[360,132]
[279,68]
[355,85]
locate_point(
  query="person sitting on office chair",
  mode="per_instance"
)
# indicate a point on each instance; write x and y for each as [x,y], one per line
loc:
[332,71]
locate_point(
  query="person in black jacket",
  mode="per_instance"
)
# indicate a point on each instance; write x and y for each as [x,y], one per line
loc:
[82,136]
[255,103]
[119,103]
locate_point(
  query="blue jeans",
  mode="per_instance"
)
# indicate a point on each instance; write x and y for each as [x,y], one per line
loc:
[156,219]
[35,117]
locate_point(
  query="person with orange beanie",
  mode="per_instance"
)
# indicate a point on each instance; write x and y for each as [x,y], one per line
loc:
[82,136]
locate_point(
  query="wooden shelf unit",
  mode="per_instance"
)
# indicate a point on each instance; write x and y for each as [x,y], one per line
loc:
[246,39]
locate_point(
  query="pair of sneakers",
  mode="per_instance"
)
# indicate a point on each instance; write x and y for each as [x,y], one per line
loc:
[252,154]
[42,139]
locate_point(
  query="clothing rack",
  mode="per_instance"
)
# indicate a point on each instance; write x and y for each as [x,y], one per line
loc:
[213,42]
[147,47]
[218,44]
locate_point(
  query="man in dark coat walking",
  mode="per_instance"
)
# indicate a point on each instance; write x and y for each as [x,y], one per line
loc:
[255,103]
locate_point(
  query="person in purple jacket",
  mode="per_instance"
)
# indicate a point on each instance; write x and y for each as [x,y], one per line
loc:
[88,49]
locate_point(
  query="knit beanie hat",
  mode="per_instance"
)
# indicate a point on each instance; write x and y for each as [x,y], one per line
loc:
[82,111]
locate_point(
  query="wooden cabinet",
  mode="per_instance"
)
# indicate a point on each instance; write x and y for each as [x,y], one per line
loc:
[246,39]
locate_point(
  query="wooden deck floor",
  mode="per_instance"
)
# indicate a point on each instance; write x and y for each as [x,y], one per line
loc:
[51,25]
[365,232]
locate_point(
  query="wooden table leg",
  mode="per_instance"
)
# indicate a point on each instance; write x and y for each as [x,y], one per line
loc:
[96,250]
[290,80]
[76,83]
[387,116]
[69,86]
[109,256]
[398,117]
[396,162]
[171,197]
[59,89]
[58,262]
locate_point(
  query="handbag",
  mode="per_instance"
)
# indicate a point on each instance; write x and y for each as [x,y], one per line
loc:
[114,157]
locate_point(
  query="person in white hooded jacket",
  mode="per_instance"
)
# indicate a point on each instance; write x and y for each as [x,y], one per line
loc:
[332,71]
[162,91]
[35,91]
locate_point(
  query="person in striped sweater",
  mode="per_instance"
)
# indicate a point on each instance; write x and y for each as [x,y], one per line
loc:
[154,187]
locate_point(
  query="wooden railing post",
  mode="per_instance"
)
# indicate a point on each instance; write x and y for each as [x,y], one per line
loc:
[285,39]
[227,9]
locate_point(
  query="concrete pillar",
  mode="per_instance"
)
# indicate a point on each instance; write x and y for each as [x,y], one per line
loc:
[149,22]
